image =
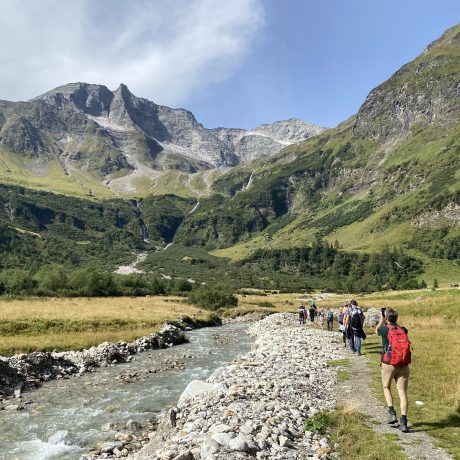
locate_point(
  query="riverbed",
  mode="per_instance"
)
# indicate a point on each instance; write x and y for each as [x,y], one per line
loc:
[65,418]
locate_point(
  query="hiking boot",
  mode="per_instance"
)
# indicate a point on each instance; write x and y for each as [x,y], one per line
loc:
[403,425]
[392,417]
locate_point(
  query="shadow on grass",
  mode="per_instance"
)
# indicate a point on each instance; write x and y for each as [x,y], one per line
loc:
[451,421]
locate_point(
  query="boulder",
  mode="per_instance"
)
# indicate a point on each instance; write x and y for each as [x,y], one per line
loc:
[197,388]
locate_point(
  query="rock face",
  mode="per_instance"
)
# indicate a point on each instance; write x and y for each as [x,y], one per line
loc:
[266,140]
[90,128]
[423,92]
[256,407]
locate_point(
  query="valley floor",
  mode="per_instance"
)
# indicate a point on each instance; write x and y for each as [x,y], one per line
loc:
[432,317]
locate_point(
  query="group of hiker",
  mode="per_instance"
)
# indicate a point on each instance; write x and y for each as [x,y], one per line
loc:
[396,349]
[312,312]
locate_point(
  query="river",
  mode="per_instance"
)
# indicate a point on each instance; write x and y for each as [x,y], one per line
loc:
[66,417]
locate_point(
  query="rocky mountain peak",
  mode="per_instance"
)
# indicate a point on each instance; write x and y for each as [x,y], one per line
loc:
[423,92]
[129,140]
[88,98]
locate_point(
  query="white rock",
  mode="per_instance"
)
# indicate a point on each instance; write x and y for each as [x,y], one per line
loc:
[238,444]
[198,388]
[220,428]
[208,448]
[223,438]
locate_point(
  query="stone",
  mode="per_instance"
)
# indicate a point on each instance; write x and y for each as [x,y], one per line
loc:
[124,437]
[220,428]
[223,438]
[13,407]
[208,448]
[132,425]
[108,447]
[197,388]
[284,441]
[238,444]
[247,428]
[188,455]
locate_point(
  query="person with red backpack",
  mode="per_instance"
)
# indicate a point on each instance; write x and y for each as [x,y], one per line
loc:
[396,356]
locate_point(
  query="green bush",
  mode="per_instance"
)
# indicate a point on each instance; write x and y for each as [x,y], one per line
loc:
[212,299]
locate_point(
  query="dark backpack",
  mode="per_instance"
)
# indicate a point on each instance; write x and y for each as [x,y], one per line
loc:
[397,352]
[356,321]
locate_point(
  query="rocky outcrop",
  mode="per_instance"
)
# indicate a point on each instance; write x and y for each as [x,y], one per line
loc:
[423,92]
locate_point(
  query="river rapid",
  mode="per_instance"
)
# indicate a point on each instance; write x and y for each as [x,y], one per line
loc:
[65,418]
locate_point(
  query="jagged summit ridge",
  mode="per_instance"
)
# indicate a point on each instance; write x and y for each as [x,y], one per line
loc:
[128,141]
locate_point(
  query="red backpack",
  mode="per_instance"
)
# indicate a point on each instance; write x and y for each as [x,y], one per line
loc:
[397,352]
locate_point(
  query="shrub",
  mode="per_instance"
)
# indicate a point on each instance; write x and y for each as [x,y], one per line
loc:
[212,299]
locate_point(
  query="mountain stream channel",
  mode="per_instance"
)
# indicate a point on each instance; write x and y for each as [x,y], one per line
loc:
[64,419]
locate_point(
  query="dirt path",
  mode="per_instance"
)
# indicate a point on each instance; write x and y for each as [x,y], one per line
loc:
[356,392]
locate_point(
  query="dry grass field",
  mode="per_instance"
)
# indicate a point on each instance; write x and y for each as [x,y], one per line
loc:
[75,323]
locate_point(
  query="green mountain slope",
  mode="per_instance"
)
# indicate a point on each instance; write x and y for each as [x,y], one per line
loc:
[388,176]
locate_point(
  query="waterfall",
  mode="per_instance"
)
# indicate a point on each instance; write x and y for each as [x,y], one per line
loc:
[145,233]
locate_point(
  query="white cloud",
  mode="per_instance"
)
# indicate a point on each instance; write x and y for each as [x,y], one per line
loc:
[164,50]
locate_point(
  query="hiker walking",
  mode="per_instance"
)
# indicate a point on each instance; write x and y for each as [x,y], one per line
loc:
[330,320]
[354,322]
[396,356]
[347,327]
[302,314]
[312,311]
[321,317]
[340,319]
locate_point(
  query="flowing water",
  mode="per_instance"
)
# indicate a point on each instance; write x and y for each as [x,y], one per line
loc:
[66,417]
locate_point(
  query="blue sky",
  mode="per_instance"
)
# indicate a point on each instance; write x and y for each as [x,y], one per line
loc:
[237,63]
[318,60]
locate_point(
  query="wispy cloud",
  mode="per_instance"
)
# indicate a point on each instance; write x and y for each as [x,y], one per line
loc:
[162,49]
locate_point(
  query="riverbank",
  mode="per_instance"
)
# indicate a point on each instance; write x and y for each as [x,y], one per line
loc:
[256,406]
[23,372]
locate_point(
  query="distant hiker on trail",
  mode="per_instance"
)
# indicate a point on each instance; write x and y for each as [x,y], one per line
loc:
[342,329]
[321,317]
[355,322]
[312,311]
[302,313]
[396,356]
[330,320]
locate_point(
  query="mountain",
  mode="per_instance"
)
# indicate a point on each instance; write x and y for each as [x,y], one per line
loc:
[386,177]
[85,139]
[377,195]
